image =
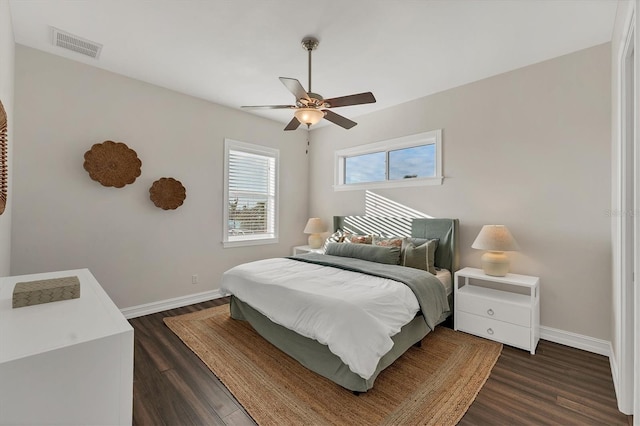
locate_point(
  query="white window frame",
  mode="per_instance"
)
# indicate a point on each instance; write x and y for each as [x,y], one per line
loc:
[411,141]
[251,239]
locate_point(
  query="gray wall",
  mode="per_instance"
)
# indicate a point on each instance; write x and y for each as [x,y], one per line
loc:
[7,47]
[138,252]
[529,149]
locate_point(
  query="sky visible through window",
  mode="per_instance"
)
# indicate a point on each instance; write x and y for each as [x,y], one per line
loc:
[404,163]
[365,168]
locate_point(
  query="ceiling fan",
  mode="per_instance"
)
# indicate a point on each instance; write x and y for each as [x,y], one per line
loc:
[310,107]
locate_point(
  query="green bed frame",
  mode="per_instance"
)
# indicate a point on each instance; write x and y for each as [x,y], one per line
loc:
[316,356]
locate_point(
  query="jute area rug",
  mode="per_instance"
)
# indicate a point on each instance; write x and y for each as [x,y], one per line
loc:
[431,385]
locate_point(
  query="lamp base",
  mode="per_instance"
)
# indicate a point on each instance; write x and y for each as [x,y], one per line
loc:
[315,241]
[495,263]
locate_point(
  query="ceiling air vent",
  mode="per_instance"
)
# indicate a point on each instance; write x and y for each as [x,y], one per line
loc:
[77,44]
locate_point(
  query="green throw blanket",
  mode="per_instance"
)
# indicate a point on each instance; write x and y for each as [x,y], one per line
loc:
[426,287]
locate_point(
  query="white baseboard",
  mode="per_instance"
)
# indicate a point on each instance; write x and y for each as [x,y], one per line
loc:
[578,341]
[625,402]
[163,305]
[574,340]
[614,369]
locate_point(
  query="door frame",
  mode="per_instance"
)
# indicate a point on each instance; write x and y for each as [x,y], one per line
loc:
[626,231]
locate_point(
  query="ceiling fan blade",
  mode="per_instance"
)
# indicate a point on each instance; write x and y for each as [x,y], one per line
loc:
[295,87]
[338,119]
[293,124]
[358,99]
[268,106]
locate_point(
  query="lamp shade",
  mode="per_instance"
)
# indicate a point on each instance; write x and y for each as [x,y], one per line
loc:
[314,226]
[495,238]
[309,116]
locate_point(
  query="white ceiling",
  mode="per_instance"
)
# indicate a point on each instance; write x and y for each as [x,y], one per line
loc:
[232,52]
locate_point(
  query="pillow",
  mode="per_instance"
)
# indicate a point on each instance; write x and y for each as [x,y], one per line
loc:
[420,257]
[336,237]
[358,239]
[416,242]
[378,254]
[388,241]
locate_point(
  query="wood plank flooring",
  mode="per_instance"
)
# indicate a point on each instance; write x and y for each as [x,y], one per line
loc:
[557,386]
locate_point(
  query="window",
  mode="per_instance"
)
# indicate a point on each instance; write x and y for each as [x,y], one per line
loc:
[250,194]
[407,161]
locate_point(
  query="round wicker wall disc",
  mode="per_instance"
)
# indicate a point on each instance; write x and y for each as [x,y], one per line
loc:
[4,174]
[112,164]
[167,193]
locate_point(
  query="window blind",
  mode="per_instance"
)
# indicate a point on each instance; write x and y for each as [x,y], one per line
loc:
[251,195]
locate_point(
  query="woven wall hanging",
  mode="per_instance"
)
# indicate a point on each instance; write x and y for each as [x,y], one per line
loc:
[112,164]
[167,193]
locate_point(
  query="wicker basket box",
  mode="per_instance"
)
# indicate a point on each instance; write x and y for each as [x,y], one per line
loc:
[44,291]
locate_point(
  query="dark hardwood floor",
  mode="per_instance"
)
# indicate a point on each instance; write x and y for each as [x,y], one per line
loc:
[559,385]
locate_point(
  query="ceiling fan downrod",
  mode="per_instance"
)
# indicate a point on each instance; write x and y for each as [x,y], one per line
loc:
[309,44]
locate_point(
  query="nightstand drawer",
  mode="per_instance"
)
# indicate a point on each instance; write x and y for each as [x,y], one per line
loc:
[493,309]
[499,331]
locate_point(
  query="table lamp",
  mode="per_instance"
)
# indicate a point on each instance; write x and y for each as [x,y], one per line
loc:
[315,227]
[496,239]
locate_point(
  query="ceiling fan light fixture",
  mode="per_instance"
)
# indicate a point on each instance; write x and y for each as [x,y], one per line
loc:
[309,116]
[310,107]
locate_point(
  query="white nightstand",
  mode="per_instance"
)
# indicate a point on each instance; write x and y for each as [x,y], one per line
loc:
[306,249]
[508,312]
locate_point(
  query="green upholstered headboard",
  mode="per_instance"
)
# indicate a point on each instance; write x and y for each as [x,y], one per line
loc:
[446,230]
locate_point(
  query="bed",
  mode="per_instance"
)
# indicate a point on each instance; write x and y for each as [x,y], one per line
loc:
[318,356]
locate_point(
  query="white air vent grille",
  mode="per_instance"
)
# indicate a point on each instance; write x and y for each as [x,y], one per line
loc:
[77,44]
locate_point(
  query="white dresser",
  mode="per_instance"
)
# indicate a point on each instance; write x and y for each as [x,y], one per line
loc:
[505,309]
[68,362]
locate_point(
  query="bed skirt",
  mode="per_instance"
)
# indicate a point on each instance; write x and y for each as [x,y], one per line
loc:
[316,356]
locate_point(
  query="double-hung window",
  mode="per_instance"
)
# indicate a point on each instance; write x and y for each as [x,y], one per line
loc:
[407,161]
[250,194]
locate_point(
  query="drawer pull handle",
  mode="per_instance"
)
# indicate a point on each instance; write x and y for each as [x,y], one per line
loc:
[490,311]
[490,331]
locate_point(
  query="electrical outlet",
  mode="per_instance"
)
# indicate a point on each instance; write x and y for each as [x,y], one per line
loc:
[194,279]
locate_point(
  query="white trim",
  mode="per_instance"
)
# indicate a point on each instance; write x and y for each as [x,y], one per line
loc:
[634,317]
[390,184]
[250,242]
[418,139]
[176,302]
[578,341]
[622,355]
[615,371]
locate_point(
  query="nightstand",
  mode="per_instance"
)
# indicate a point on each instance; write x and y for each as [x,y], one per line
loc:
[505,309]
[306,249]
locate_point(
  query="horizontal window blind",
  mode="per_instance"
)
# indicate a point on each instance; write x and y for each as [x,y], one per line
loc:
[251,195]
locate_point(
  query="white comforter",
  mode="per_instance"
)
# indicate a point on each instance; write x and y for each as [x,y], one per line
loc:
[354,314]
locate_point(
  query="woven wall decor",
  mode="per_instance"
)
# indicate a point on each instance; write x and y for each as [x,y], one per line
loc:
[4,174]
[167,193]
[112,164]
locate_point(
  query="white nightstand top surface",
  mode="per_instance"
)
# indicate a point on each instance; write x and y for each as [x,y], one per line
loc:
[308,248]
[513,279]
